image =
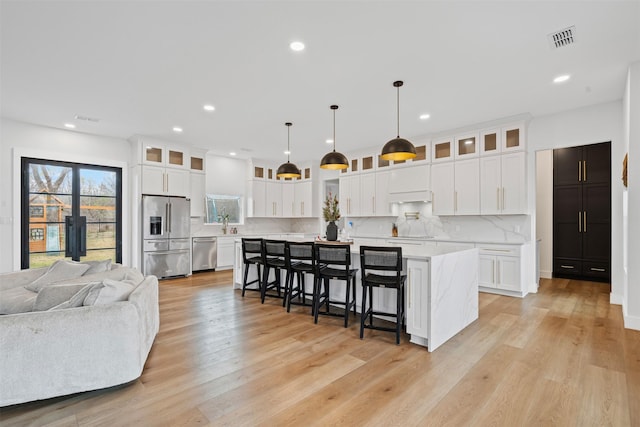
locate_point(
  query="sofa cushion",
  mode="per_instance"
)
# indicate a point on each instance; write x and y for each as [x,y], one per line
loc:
[17,300]
[111,291]
[97,266]
[59,270]
[52,295]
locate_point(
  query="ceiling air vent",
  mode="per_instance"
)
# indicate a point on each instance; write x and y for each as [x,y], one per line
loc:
[563,37]
[87,119]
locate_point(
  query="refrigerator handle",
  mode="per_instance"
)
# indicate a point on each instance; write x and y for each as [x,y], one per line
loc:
[169,221]
[166,217]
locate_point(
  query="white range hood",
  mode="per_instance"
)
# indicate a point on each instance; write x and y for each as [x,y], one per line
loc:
[410,184]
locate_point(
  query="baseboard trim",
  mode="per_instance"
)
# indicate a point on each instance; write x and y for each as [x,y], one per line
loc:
[632,322]
[546,274]
[615,299]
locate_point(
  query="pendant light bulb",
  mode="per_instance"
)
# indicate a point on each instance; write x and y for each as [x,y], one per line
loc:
[288,170]
[334,160]
[398,148]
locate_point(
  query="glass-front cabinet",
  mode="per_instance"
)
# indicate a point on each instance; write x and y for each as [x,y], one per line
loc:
[466,146]
[442,149]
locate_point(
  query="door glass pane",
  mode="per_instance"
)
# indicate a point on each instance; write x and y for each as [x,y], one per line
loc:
[49,200]
[98,204]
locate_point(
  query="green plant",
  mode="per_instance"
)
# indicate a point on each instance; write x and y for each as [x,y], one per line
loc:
[331,211]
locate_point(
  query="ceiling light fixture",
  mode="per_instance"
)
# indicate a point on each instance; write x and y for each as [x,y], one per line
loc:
[334,160]
[424,116]
[177,129]
[297,46]
[209,107]
[233,153]
[561,79]
[329,141]
[398,148]
[288,170]
[70,125]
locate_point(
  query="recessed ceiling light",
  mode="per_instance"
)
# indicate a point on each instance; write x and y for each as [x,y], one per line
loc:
[233,153]
[70,125]
[297,46]
[562,78]
[287,152]
[329,141]
[209,107]
[424,116]
[177,129]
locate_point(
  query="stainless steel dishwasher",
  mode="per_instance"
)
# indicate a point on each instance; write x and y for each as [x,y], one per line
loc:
[205,253]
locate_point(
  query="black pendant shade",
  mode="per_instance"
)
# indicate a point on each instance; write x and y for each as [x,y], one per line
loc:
[288,170]
[398,148]
[334,160]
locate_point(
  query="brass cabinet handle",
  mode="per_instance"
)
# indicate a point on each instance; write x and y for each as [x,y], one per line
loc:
[584,226]
[584,171]
[579,222]
[455,201]
[498,198]
[579,171]
[502,198]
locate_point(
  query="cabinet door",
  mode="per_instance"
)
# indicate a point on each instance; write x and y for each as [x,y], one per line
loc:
[258,198]
[442,187]
[197,194]
[596,222]
[303,197]
[442,149]
[274,199]
[383,207]
[508,273]
[350,195]
[153,154]
[513,138]
[567,166]
[514,189]
[368,194]
[487,271]
[490,142]
[490,185]
[567,218]
[467,187]
[288,201]
[225,253]
[417,299]
[596,167]
[177,158]
[153,180]
[466,146]
[177,182]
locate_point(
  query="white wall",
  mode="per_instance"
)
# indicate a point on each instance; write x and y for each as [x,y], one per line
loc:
[226,175]
[544,210]
[19,139]
[632,142]
[589,125]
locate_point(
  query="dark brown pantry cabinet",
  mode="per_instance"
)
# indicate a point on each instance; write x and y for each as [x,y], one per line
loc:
[582,212]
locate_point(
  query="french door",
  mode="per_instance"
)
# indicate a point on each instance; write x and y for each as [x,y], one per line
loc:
[70,211]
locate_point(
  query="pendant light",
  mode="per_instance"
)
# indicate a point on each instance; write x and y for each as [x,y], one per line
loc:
[288,170]
[334,160]
[398,148]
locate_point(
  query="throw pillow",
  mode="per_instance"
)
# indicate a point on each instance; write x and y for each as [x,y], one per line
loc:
[50,296]
[111,291]
[97,266]
[17,300]
[59,270]
[78,298]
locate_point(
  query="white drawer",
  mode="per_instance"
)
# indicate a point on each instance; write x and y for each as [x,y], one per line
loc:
[496,249]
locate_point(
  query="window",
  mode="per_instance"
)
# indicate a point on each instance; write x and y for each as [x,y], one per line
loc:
[219,206]
[37,234]
[36,211]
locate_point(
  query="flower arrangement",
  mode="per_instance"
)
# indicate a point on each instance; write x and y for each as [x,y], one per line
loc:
[331,211]
[224,219]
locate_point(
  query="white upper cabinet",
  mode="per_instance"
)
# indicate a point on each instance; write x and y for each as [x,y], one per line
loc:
[274,200]
[163,181]
[349,195]
[442,188]
[467,187]
[466,146]
[288,200]
[368,194]
[382,205]
[165,155]
[303,199]
[197,194]
[411,183]
[257,201]
[503,187]
[502,139]
[442,149]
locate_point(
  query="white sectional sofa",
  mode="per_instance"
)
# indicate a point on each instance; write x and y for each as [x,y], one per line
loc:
[85,342]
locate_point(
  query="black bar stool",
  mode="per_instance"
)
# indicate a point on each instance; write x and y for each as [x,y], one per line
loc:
[333,262]
[299,260]
[273,258]
[251,255]
[388,261]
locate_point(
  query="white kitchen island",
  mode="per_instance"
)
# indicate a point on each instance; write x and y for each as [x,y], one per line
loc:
[441,293]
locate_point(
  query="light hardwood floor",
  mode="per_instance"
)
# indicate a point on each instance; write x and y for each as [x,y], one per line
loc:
[560,357]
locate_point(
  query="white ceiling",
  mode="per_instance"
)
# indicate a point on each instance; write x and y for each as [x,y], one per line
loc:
[143,67]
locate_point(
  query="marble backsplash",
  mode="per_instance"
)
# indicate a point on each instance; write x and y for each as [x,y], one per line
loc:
[417,220]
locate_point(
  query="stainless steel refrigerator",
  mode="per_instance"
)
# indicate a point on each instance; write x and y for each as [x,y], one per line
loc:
[166,239]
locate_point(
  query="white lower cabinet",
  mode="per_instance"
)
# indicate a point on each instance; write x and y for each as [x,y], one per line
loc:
[226,253]
[417,300]
[500,269]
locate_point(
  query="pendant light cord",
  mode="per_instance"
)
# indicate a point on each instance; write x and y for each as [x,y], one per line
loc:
[334,130]
[288,147]
[398,109]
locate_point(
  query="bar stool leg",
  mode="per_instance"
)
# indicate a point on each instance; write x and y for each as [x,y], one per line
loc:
[363,311]
[399,316]
[347,304]
[246,276]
